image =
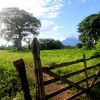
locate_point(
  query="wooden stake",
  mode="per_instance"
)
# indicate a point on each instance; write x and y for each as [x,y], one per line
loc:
[85,67]
[40,93]
[20,67]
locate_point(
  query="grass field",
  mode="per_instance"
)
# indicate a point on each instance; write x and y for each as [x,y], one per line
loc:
[48,57]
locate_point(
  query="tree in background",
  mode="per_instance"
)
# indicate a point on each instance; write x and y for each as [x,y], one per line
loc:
[16,23]
[49,44]
[79,45]
[28,41]
[15,42]
[89,29]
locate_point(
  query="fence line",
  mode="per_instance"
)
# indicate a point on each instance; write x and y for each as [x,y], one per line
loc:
[63,78]
[40,83]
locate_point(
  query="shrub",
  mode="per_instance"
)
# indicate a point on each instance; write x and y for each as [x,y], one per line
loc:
[9,84]
[79,45]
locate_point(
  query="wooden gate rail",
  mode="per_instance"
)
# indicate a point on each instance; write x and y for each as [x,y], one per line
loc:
[39,70]
[67,87]
[69,74]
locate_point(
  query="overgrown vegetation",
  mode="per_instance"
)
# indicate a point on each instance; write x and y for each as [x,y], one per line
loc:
[9,80]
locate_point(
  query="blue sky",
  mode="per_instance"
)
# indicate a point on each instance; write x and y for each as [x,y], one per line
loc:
[59,18]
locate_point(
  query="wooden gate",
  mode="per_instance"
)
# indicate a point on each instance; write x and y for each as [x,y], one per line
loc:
[40,83]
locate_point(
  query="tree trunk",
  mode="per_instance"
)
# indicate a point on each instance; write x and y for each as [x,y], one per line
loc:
[19,47]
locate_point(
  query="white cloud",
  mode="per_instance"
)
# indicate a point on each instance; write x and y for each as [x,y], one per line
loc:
[45,8]
[48,27]
[82,1]
[69,3]
[72,35]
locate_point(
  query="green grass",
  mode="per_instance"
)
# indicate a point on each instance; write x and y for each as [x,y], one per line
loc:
[49,57]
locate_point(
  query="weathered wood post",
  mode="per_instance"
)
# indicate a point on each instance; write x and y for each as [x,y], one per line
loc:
[40,93]
[85,67]
[20,67]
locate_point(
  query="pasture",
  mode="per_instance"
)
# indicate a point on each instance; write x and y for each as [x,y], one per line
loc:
[48,57]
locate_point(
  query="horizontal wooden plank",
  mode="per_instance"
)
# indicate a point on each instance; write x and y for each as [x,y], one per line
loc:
[68,63]
[64,76]
[64,80]
[70,74]
[76,95]
[92,57]
[93,66]
[57,92]
[97,82]
[68,87]
[81,92]
[62,65]
[95,78]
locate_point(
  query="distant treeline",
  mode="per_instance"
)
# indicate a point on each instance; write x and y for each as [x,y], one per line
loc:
[49,44]
[44,44]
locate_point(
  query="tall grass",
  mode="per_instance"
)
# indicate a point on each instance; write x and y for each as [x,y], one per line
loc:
[50,57]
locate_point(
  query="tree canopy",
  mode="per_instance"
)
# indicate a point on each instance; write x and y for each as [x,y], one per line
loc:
[16,24]
[49,44]
[89,29]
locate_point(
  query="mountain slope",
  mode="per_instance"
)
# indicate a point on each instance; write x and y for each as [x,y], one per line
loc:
[70,41]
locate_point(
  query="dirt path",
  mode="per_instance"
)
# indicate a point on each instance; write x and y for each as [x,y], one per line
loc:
[52,87]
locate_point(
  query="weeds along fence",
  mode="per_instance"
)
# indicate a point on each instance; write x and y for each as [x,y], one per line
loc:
[89,80]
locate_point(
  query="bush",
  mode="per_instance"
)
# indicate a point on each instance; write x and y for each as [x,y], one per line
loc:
[9,84]
[79,45]
[96,48]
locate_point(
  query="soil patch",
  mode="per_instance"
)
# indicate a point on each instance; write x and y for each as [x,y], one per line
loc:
[51,87]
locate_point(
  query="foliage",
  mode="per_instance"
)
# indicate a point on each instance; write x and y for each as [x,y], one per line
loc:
[95,92]
[68,47]
[9,84]
[79,45]
[97,46]
[49,44]
[15,42]
[17,24]
[89,29]
[3,47]
[9,79]
[28,40]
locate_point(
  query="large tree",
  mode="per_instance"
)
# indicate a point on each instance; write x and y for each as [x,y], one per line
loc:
[89,29]
[16,23]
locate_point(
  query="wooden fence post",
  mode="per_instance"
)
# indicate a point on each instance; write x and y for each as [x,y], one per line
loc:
[20,67]
[40,93]
[85,68]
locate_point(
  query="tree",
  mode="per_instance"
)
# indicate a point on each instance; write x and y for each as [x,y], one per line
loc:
[16,23]
[28,41]
[79,45]
[15,42]
[49,44]
[89,29]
